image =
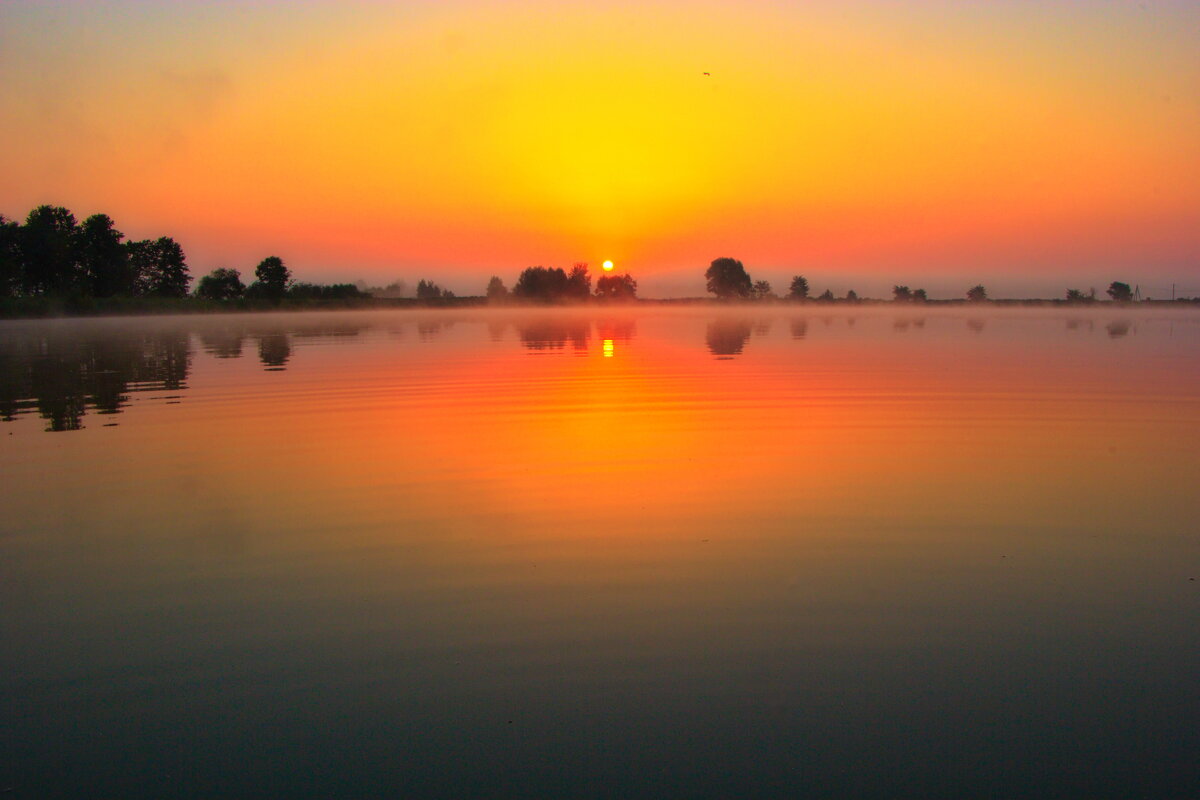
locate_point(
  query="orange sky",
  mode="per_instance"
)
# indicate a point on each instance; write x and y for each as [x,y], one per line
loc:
[1032,146]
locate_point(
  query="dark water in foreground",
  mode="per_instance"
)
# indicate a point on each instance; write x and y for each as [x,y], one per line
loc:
[649,554]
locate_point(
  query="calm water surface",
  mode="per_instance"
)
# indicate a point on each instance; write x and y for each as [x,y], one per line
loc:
[655,553]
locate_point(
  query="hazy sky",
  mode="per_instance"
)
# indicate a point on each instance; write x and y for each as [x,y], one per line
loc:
[1031,146]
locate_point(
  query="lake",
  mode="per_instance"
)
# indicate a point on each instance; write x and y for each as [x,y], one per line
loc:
[661,552]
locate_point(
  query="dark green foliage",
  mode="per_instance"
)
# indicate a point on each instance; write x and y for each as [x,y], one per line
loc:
[616,287]
[497,292]
[221,284]
[273,278]
[977,294]
[919,296]
[728,279]
[1120,292]
[159,267]
[799,289]
[103,260]
[542,285]
[48,252]
[1076,296]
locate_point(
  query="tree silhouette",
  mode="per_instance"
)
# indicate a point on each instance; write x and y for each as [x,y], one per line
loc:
[761,290]
[103,260]
[799,288]
[919,296]
[1120,292]
[728,279]
[616,287]
[579,283]
[221,284]
[977,294]
[273,278]
[1077,296]
[826,297]
[541,284]
[10,257]
[901,294]
[851,296]
[47,248]
[428,290]
[159,267]
[497,292]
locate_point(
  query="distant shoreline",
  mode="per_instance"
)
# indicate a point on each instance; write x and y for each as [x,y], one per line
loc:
[72,307]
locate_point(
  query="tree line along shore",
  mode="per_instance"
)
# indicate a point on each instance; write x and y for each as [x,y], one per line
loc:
[54,265]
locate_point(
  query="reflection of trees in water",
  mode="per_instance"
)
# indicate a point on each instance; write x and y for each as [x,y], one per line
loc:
[799,328]
[554,334]
[901,324]
[975,325]
[727,337]
[619,329]
[1118,328]
[1076,324]
[274,341]
[223,343]
[763,327]
[427,330]
[274,349]
[62,375]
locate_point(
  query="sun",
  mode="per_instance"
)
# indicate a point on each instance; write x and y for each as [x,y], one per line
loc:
[608,265]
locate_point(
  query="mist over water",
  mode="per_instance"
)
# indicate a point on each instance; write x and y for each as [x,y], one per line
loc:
[606,552]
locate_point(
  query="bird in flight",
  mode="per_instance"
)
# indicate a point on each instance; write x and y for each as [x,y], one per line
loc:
[706,74]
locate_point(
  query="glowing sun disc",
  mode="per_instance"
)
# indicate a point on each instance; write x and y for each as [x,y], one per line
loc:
[608,265]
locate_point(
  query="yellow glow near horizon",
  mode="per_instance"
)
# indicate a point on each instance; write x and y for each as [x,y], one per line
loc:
[608,265]
[470,138]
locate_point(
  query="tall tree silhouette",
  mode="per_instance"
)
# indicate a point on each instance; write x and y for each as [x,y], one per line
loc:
[579,283]
[273,278]
[47,249]
[497,292]
[103,260]
[10,257]
[799,288]
[159,266]
[728,279]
